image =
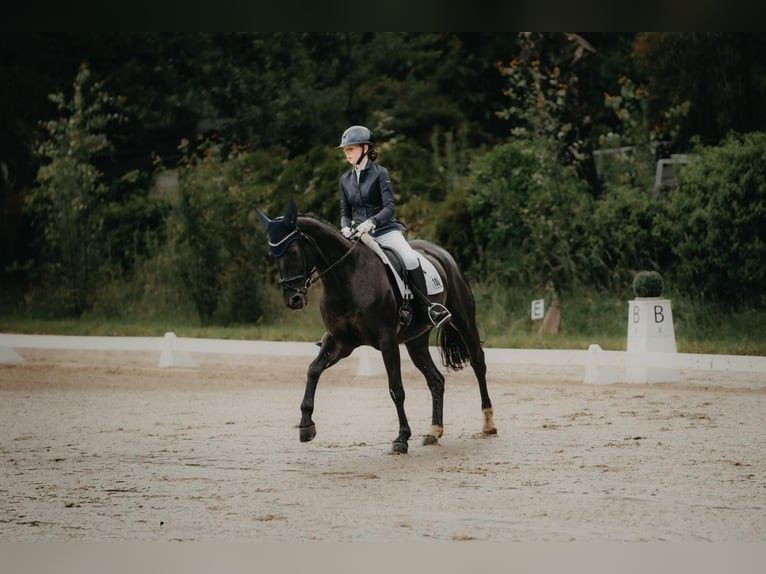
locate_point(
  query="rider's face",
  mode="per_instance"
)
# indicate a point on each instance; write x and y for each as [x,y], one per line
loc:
[352,153]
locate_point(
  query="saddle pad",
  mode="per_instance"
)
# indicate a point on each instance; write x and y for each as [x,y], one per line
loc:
[434,283]
[433,279]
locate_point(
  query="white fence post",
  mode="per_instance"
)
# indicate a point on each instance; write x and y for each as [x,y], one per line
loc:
[598,373]
[370,362]
[8,355]
[172,357]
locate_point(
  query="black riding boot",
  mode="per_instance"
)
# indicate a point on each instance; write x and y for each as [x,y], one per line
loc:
[434,313]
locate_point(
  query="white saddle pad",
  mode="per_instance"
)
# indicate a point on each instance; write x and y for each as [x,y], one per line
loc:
[433,279]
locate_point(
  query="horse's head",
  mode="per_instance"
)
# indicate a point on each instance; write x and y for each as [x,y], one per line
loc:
[287,248]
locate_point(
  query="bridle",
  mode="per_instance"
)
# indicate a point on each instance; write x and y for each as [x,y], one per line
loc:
[310,273]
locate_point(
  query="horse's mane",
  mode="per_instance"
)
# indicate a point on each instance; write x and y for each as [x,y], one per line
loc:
[320,221]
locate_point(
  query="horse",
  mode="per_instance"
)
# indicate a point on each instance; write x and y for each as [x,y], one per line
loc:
[360,305]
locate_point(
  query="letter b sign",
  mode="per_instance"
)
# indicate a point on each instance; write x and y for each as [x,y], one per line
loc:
[650,326]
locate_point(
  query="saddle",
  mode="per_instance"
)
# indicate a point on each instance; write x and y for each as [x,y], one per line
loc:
[397,273]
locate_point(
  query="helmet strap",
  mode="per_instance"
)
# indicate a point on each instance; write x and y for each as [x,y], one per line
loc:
[365,151]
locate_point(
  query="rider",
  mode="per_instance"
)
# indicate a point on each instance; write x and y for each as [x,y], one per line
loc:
[367,195]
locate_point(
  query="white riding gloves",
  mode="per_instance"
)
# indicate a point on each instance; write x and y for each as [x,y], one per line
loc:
[346,231]
[365,227]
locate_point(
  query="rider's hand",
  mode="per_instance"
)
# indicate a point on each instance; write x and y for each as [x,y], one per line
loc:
[346,231]
[365,227]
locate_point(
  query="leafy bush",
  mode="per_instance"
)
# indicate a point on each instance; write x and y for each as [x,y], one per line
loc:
[528,216]
[220,261]
[312,180]
[648,284]
[718,222]
[627,233]
[423,194]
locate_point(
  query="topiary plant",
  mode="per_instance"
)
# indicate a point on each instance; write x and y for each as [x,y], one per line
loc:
[647,284]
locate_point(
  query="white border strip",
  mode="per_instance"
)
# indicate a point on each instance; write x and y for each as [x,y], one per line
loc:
[171,346]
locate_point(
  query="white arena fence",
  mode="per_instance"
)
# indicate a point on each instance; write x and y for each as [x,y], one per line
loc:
[600,367]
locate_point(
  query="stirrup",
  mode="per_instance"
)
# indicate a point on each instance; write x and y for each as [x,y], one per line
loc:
[438,314]
[405,316]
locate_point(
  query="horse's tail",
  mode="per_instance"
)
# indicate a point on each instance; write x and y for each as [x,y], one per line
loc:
[452,348]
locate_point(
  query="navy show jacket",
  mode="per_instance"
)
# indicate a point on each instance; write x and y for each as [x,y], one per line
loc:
[372,197]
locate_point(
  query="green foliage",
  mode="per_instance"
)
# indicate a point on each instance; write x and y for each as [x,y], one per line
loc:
[629,150]
[588,316]
[152,292]
[718,216]
[133,223]
[312,180]
[67,203]
[425,176]
[721,75]
[648,284]
[528,215]
[453,229]
[525,212]
[543,93]
[213,243]
[626,233]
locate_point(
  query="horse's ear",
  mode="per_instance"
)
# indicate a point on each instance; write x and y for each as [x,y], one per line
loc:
[291,213]
[263,219]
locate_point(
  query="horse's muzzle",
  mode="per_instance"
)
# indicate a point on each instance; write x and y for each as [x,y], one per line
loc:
[295,300]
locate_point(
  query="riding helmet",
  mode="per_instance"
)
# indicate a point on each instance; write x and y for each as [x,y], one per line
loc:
[357,135]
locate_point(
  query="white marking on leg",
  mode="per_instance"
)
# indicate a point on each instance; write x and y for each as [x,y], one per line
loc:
[489,424]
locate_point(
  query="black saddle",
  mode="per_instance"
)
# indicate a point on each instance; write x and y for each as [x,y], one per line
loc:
[396,266]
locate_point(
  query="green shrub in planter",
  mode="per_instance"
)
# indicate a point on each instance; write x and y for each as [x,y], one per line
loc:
[647,284]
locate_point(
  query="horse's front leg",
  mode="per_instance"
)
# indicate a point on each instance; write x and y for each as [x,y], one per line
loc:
[392,361]
[330,353]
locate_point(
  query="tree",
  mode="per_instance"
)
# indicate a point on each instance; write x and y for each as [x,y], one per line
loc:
[723,75]
[67,200]
[542,86]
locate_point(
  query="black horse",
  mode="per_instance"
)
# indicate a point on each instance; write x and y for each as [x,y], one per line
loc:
[360,306]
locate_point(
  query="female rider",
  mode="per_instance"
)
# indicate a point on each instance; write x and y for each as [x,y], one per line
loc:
[367,198]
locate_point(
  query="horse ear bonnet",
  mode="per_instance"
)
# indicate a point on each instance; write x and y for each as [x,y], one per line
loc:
[282,231]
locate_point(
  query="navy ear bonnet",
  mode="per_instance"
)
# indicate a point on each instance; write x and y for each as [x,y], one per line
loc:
[281,234]
[282,231]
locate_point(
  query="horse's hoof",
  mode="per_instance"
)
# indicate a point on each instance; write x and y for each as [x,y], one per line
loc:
[308,433]
[430,439]
[399,447]
[489,431]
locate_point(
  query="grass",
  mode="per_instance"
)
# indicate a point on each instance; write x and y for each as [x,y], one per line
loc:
[503,317]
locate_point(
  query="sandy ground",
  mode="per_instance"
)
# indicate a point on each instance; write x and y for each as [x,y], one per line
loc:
[110,447]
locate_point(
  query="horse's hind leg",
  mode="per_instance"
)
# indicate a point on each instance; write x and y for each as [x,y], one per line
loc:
[470,336]
[421,357]
[480,370]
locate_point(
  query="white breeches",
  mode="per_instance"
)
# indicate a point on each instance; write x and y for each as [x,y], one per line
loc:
[395,240]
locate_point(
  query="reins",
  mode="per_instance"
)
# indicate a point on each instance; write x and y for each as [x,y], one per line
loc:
[314,275]
[319,274]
